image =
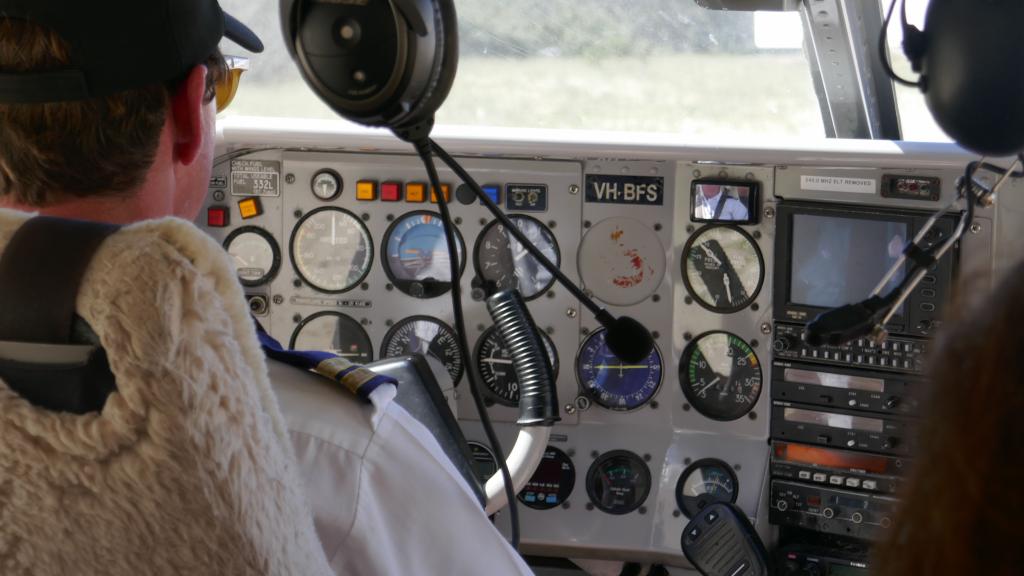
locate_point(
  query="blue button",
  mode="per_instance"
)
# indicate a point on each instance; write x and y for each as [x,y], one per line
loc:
[529,497]
[552,499]
[493,192]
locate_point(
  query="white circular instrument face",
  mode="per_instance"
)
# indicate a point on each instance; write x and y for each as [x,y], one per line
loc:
[621,261]
[722,268]
[332,250]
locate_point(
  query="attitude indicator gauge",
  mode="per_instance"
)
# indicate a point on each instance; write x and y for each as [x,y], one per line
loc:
[331,250]
[613,383]
[618,482]
[494,363]
[255,255]
[427,336]
[722,268]
[415,255]
[621,261]
[705,482]
[720,375]
[333,332]
[502,261]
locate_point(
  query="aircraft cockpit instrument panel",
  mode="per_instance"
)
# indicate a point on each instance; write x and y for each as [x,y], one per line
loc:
[723,255]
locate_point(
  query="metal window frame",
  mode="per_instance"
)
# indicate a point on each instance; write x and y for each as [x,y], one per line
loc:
[857,99]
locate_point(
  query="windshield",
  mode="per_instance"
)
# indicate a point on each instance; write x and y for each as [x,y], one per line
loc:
[623,65]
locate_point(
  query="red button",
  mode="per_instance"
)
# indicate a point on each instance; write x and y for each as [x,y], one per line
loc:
[217,216]
[391,192]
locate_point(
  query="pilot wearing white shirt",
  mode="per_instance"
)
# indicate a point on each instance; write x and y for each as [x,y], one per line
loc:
[385,498]
[714,202]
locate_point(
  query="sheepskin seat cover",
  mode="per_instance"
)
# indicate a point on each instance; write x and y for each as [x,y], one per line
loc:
[188,469]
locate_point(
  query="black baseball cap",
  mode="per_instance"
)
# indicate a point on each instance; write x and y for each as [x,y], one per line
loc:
[118,45]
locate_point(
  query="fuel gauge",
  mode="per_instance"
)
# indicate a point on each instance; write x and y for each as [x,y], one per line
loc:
[705,482]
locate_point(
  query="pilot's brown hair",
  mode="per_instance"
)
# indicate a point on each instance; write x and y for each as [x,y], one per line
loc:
[78,149]
[964,501]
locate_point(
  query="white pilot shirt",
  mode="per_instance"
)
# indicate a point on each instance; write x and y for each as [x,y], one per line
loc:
[732,211]
[385,498]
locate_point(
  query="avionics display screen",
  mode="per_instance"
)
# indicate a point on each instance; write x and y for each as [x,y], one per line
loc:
[837,261]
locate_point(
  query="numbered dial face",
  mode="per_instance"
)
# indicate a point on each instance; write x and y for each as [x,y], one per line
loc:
[622,261]
[429,337]
[722,268]
[494,361]
[416,255]
[615,384]
[618,482]
[705,482]
[255,255]
[720,376]
[332,250]
[326,185]
[333,332]
[502,260]
[552,482]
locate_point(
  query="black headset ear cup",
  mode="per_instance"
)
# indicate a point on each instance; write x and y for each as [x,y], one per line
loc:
[444,66]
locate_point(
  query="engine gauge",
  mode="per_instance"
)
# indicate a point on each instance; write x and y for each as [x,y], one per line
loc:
[331,250]
[720,375]
[333,332]
[427,336]
[552,482]
[416,255]
[618,482]
[722,268]
[494,362]
[615,384]
[255,255]
[327,184]
[705,482]
[502,260]
[622,261]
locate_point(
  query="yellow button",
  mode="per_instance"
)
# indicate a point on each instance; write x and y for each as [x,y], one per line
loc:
[366,190]
[415,192]
[250,208]
[445,189]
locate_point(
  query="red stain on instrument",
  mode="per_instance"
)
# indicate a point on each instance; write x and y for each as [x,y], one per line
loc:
[638,265]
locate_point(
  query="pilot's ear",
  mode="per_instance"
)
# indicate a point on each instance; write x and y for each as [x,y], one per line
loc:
[187,107]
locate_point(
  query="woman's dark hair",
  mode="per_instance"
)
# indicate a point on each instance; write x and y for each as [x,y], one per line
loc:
[963,505]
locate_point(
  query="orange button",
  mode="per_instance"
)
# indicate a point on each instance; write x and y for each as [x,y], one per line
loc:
[250,208]
[415,192]
[366,190]
[445,189]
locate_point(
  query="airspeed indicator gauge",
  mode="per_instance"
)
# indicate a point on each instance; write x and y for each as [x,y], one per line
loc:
[427,336]
[722,268]
[331,250]
[720,375]
[500,258]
